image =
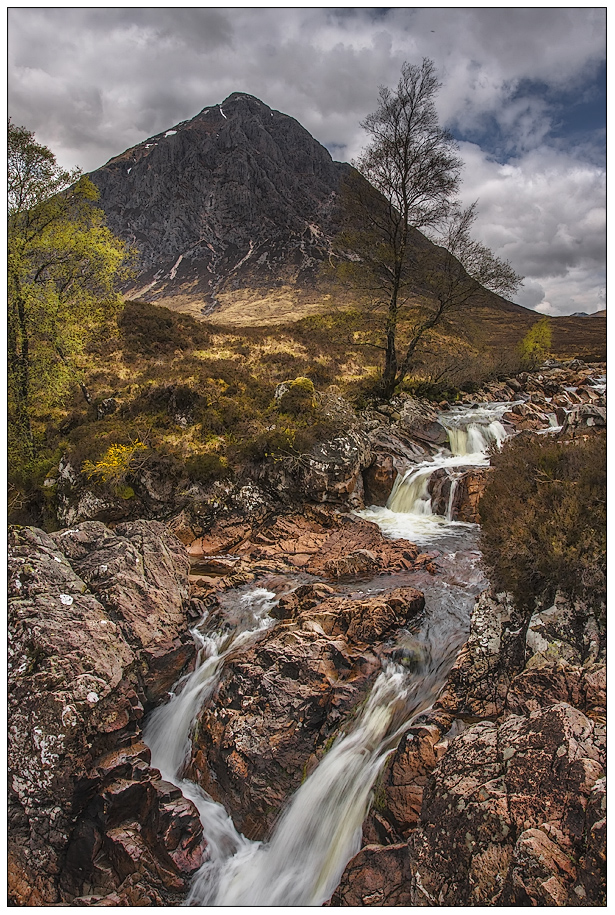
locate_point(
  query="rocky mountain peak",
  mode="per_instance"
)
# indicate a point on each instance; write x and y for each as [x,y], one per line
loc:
[239,196]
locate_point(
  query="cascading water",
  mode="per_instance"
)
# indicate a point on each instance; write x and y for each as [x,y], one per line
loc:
[320,830]
[167,732]
[471,431]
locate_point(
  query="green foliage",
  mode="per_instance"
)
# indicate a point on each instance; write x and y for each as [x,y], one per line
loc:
[205,467]
[298,399]
[535,346]
[543,518]
[63,264]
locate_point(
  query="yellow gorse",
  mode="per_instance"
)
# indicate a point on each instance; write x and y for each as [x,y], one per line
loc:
[114,465]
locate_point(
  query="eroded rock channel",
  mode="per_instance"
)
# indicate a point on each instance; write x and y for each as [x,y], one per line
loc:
[308,707]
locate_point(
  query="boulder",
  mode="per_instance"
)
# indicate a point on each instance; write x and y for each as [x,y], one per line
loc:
[468,493]
[456,493]
[330,472]
[583,418]
[91,612]
[379,479]
[505,817]
[420,421]
[376,876]
[320,541]
[280,703]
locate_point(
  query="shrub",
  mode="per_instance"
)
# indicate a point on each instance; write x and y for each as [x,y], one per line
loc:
[115,465]
[151,329]
[202,468]
[297,397]
[543,517]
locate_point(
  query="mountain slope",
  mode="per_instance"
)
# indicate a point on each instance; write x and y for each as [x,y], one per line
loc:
[234,214]
[238,197]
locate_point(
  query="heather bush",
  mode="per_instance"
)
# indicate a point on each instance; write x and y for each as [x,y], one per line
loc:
[205,467]
[543,518]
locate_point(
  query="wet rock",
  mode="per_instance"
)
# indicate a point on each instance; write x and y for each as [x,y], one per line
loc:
[420,421]
[280,703]
[379,479]
[439,488]
[399,797]
[457,492]
[467,495]
[376,876]
[89,611]
[320,541]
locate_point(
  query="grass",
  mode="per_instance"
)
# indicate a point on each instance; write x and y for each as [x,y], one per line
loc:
[190,388]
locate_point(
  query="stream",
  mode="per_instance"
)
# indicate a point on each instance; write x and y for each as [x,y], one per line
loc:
[320,829]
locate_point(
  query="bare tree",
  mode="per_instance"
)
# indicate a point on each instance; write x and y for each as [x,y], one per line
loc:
[414,165]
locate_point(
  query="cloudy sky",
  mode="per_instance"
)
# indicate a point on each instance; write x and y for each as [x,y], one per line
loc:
[523,91]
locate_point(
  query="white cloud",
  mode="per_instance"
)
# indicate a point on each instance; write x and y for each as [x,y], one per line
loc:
[545,213]
[93,82]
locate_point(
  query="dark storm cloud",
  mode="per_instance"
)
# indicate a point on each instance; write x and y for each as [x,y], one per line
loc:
[521,90]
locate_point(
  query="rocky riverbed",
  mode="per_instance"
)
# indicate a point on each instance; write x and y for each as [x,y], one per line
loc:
[487,763]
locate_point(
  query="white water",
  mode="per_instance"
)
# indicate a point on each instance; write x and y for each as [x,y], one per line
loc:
[408,512]
[320,829]
[168,729]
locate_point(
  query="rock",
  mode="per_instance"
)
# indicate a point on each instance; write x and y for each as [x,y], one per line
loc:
[420,421]
[565,661]
[399,796]
[89,611]
[479,681]
[331,472]
[468,493]
[379,478]
[504,819]
[456,493]
[376,876]
[439,488]
[280,702]
[320,541]
[582,418]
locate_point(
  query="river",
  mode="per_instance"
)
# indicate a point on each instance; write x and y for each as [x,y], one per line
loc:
[320,829]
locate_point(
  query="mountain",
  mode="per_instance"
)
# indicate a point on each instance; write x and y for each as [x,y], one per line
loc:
[234,214]
[241,197]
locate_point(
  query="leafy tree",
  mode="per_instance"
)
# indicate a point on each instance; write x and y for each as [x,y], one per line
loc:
[63,264]
[535,346]
[413,164]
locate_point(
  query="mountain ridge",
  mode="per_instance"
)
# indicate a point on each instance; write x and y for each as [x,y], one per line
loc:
[235,212]
[238,182]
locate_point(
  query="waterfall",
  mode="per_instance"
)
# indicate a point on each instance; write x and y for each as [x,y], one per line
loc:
[475,438]
[168,729]
[408,512]
[451,500]
[410,493]
[321,829]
